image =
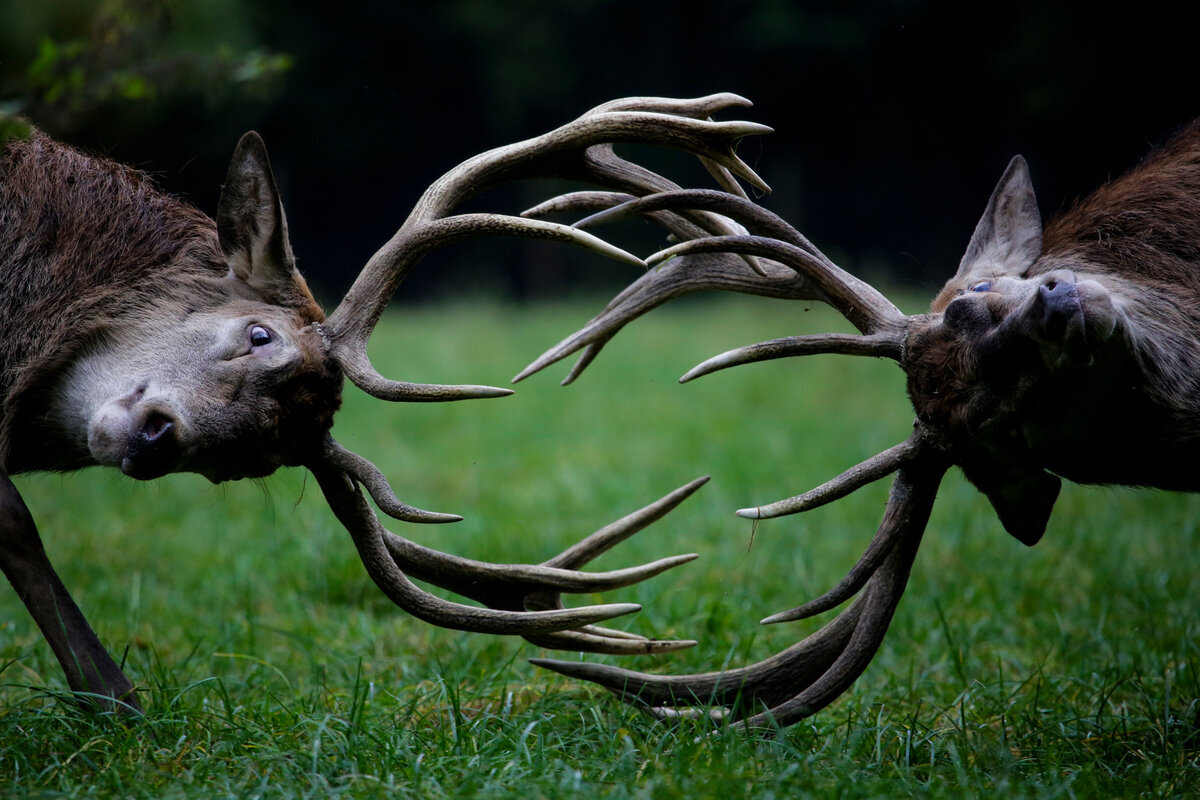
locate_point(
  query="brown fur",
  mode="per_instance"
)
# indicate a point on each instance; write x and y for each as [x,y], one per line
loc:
[1125,409]
[88,247]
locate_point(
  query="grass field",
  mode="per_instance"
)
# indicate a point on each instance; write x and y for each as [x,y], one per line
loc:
[273,668]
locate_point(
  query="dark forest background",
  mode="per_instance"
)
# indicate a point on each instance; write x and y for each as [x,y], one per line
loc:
[893,118]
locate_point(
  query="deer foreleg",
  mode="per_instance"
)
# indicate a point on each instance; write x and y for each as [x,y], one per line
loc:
[89,669]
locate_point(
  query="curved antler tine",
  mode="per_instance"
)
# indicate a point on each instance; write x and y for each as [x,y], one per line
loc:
[614,533]
[575,202]
[869,471]
[517,586]
[701,108]
[349,327]
[607,643]
[585,359]
[748,216]
[742,690]
[679,277]
[607,167]
[509,585]
[890,345]
[720,160]
[351,508]
[564,152]
[884,540]
[695,107]
[613,206]
[880,600]
[726,180]
[682,224]
[366,473]
[856,300]
[806,677]
[522,599]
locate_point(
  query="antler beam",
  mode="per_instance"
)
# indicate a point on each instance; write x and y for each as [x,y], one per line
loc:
[518,599]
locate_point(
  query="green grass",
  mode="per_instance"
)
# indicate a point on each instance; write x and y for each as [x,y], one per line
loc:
[272,667]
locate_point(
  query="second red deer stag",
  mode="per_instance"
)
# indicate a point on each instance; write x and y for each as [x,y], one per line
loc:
[1042,339]
[137,333]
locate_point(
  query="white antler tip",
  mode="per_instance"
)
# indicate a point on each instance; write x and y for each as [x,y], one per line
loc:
[782,616]
[749,513]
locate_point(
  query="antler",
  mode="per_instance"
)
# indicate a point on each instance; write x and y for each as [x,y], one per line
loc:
[519,599]
[806,677]
[801,680]
[797,271]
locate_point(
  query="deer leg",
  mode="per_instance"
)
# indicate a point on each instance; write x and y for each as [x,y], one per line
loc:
[89,669]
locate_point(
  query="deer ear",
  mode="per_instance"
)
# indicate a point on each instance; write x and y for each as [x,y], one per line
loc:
[1023,499]
[252,228]
[1008,237]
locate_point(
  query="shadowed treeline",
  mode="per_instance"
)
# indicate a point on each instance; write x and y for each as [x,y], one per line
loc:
[893,117]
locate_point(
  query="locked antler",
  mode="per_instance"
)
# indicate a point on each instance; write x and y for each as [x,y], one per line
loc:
[519,599]
[808,676]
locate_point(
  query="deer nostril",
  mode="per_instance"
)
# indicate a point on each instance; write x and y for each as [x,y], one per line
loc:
[156,425]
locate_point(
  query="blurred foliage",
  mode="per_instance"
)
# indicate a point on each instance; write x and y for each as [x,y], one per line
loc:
[894,117]
[65,63]
[13,127]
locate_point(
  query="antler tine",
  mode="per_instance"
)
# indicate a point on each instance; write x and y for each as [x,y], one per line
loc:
[856,300]
[512,592]
[701,108]
[656,287]
[610,206]
[806,677]
[695,107]
[748,216]
[574,202]
[349,327]
[885,538]
[565,152]
[860,302]
[877,345]
[366,473]
[521,586]
[696,265]
[351,509]
[869,471]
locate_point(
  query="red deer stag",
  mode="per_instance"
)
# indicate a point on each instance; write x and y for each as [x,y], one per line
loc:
[1099,314]
[137,333]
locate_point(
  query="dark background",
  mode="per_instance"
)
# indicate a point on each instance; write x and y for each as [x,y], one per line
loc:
[893,119]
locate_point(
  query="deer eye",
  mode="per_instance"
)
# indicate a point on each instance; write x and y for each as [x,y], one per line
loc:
[260,336]
[986,286]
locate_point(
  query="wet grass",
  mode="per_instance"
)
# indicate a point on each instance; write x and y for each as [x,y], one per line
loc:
[271,666]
